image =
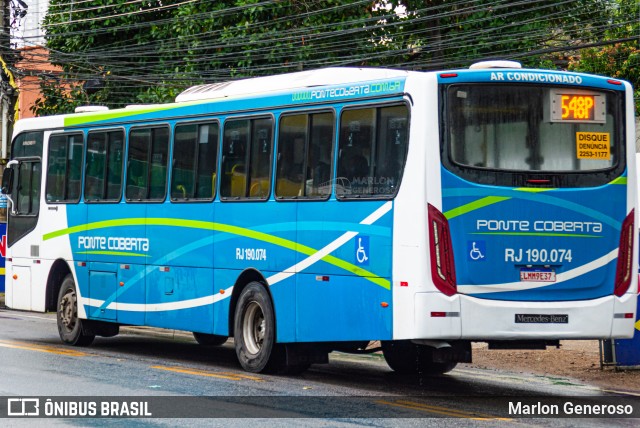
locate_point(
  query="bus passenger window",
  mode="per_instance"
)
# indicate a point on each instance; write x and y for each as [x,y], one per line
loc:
[372,151]
[103,176]
[305,145]
[195,156]
[246,159]
[64,168]
[260,172]
[147,164]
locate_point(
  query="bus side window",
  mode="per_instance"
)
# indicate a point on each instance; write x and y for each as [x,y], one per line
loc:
[290,161]
[246,158]
[103,176]
[305,145]
[147,164]
[159,160]
[64,168]
[261,149]
[194,161]
[372,151]
[114,165]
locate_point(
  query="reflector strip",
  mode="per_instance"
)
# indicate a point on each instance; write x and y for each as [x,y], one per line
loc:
[445,314]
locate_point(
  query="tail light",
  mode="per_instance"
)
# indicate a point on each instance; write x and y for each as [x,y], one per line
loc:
[443,270]
[625,256]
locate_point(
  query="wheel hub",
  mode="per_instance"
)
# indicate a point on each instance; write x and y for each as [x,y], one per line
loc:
[254,328]
[68,310]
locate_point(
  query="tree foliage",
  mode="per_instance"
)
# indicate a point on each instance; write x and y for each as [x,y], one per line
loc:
[118,52]
[620,60]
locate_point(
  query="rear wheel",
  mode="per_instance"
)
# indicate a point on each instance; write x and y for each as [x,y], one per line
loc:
[70,327]
[405,357]
[255,330]
[210,339]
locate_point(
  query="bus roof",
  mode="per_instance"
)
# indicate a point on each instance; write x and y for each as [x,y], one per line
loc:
[283,82]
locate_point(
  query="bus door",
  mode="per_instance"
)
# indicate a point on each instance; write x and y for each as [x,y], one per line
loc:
[62,208]
[23,241]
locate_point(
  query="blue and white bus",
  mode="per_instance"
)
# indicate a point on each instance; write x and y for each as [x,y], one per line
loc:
[327,209]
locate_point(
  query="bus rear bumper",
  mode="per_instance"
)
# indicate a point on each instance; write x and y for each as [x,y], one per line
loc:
[464,317]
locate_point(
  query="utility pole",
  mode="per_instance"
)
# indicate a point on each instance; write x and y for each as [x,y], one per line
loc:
[8,87]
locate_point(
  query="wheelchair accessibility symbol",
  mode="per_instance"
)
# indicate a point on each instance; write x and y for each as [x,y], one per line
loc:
[476,250]
[362,250]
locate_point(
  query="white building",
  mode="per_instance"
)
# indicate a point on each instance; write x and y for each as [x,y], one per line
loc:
[26,22]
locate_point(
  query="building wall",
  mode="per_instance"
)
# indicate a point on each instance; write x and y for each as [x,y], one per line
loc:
[34,64]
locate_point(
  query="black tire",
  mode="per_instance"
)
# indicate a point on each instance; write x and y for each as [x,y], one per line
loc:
[205,339]
[70,327]
[408,358]
[255,331]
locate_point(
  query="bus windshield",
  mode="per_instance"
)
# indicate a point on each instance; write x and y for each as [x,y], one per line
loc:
[532,128]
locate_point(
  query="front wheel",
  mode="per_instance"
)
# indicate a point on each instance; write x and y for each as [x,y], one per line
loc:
[408,358]
[70,327]
[255,330]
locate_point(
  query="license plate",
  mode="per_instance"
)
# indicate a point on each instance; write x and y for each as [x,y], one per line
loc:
[537,275]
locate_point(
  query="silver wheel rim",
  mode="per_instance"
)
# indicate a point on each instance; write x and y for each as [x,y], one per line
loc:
[68,316]
[253,328]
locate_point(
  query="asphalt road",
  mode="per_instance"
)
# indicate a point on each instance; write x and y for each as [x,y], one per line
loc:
[178,379]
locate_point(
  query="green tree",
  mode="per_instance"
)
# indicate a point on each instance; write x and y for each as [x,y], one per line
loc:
[119,52]
[148,51]
[620,59]
[462,32]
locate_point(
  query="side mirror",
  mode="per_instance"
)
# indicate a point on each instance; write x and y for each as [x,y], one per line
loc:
[7,181]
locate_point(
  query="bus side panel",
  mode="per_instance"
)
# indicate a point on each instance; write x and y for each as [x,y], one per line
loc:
[253,235]
[180,234]
[102,291]
[283,294]
[131,294]
[180,298]
[223,280]
[343,290]
[343,308]
[260,236]
[112,240]
[357,235]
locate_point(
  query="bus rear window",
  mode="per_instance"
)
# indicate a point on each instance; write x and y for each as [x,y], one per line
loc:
[532,129]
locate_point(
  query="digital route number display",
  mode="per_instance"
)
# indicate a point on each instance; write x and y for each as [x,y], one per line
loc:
[576,107]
